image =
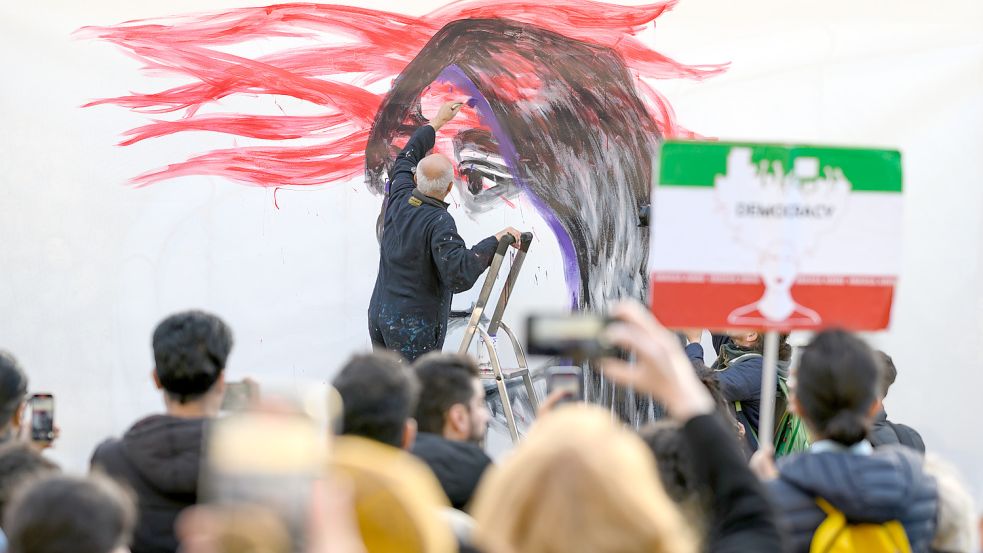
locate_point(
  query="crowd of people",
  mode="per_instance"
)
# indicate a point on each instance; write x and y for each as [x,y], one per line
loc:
[405,468]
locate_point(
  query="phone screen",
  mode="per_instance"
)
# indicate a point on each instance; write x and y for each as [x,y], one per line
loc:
[237,396]
[42,417]
[567,379]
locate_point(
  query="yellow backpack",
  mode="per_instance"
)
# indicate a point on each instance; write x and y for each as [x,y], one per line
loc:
[836,535]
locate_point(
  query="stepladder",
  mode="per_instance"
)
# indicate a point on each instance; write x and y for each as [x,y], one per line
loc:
[488,328]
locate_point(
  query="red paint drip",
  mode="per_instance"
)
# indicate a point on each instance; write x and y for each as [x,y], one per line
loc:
[380,46]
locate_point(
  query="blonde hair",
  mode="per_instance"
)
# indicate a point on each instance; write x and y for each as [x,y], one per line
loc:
[578,483]
[957,530]
[398,502]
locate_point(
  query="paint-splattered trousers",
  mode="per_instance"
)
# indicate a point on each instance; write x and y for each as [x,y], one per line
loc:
[410,335]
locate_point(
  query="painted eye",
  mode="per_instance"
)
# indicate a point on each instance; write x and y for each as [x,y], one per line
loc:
[484,176]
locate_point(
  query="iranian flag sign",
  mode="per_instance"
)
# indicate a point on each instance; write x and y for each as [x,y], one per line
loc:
[775,237]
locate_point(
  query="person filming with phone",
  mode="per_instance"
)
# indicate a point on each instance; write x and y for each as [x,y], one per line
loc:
[23,418]
[423,261]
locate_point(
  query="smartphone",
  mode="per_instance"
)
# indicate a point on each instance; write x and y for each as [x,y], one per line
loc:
[568,379]
[42,417]
[238,396]
[265,460]
[575,335]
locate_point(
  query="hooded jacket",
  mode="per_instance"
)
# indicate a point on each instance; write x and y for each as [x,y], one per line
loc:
[158,457]
[889,484]
[457,465]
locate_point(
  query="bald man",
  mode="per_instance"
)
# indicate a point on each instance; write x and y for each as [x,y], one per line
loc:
[423,261]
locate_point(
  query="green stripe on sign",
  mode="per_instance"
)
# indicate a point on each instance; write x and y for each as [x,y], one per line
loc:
[695,163]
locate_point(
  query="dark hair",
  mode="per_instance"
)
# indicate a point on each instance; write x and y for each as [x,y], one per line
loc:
[708,377]
[889,372]
[190,351]
[446,379]
[379,395]
[19,463]
[64,513]
[838,379]
[13,387]
[784,349]
[675,461]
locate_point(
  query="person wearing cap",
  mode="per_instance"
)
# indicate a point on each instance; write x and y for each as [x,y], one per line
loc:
[159,456]
[423,260]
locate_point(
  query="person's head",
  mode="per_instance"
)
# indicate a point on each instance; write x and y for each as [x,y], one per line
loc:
[725,409]
[379,395]
[889,373]
[13,390]
[675,462]
[397,500]
[754,341]
[836,387]
[19,464]
[190,352]
[64,513]
[579,482]
[435,176]
[452,399]
[957,530]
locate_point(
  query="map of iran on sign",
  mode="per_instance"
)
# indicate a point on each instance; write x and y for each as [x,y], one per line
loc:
[775,237]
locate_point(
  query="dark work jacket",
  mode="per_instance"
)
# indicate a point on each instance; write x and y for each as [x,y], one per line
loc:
[457,465]
[158,457]
[423,261]
[741,382]
[741,518]
[889,484]
[885,432]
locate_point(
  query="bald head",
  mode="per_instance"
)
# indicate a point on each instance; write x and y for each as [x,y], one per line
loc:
[434,174]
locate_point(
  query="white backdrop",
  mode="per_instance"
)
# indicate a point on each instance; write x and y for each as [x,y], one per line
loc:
[88,266]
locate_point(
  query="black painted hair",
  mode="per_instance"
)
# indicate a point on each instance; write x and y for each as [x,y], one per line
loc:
[446,379]
[837,381]
[190,352]
[379,394]
[585,147]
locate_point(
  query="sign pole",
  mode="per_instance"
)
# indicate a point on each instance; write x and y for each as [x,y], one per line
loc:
[769,383]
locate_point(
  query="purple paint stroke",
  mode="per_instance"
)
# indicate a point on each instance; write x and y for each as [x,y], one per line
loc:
[452,74]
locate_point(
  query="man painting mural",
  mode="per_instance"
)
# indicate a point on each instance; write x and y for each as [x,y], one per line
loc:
[422,258]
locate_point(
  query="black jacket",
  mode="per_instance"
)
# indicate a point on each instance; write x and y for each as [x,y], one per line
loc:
[423,261]
[742,519]
[457,465]
[888,484]
[885,432]
[158,458]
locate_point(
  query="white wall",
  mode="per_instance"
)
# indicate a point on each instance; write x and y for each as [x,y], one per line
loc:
[88,265]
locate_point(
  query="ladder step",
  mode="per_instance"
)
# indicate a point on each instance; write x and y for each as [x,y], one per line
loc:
[508,373]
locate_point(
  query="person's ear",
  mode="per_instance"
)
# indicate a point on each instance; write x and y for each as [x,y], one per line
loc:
[156,378]
[794,406]
[18,417]
[875,408]
[219,385]
[409,434]
[457,418]
[450,186]
[752,337]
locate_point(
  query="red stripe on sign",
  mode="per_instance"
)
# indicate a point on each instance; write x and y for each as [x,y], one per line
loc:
[729,301]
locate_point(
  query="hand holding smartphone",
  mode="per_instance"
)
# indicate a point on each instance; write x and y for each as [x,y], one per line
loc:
[42,417]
